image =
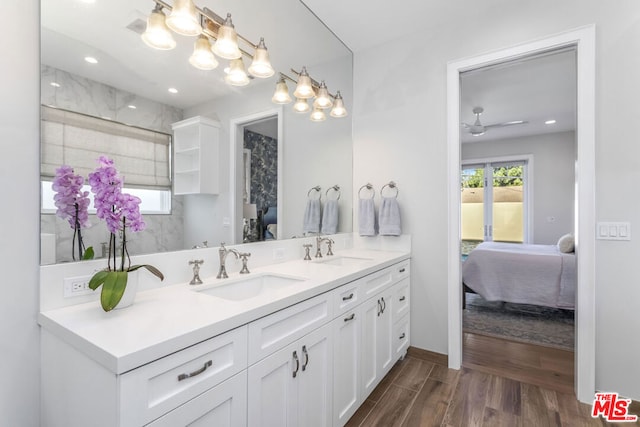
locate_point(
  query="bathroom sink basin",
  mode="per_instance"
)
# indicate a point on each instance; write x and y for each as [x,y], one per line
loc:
[342,260]
[252,286]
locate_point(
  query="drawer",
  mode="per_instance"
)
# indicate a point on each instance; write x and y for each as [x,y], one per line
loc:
[345,297]
[380,280]
[401,299]
[283,327]
[400,338]
[401,270]
[223,405]
[152,390]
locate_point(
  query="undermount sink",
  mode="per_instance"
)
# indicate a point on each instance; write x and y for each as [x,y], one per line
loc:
[342,260]
[249,287]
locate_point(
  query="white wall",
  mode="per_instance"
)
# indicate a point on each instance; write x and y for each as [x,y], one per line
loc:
[19,250]
[553,173]
[400,134]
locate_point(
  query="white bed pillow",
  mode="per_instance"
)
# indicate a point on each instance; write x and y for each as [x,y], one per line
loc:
[566,244]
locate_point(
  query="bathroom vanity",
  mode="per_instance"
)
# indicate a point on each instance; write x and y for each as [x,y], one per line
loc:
[299,343]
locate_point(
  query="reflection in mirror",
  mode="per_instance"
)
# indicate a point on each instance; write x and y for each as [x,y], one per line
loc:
[130,84]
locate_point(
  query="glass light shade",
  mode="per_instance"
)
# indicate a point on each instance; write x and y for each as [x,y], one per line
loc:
[317,115]
[226,45]
[281,95]
[304,89]
[202,57]
[323,100]
[184,18]
[261,66]
[301,106]
[237,76]
[338,109]
[157,34]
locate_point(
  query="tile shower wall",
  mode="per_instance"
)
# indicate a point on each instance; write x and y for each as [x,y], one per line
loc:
[76,93]
[264,169]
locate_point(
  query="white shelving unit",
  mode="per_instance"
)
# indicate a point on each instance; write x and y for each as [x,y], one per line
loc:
[196,144]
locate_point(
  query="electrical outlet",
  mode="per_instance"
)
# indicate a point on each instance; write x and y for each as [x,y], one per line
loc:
[77,286]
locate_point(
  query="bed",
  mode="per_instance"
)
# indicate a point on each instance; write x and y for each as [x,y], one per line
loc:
[522,274]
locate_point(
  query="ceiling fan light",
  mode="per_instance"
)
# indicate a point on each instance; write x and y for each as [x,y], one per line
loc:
[317,115]
[323,100]
[184,18]
[237,76]
[301,106]
[226,45]
[261,65]
[281,95]
[157,34]
[304,89]
[338,109]
[202,57]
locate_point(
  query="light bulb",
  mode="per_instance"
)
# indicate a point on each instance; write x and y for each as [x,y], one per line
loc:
[226,45]
[261,66]
[323,100]
[301,106]
[304,89]
[184,18]
[338,109]
[237,76]
[202,57]
[281,95]
[157,34]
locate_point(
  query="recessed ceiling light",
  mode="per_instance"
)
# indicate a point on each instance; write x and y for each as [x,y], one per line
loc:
[173,90]
[133,107]
[91,59]
[550,122]
[55,84]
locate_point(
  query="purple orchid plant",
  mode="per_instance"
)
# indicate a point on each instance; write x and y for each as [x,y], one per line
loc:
[72,205]
[120,211]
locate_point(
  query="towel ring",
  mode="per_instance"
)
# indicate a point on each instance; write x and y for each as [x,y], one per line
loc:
[368,187]
[336,189]
[316,189]
[393,185]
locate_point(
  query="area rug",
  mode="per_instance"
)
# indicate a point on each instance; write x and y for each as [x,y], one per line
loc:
[519,322]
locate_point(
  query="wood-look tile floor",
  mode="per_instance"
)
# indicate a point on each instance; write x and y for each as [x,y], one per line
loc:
[502,383]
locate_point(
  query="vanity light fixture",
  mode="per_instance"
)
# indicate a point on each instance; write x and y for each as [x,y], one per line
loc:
[237,76]
[261,66]
[323,100]
[301,106]
[157,34]
[304,89]
[184,18]
[338,109]
[202,57]
[317,115]
[226,46]
[281,95]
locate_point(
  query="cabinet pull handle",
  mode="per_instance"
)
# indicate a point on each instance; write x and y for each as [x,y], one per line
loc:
[194,373]
[353,316]
[306,357]
[295,359]
[384,304]
[347,298]
[379,308]
[402,298]
[402,270]
[402,336]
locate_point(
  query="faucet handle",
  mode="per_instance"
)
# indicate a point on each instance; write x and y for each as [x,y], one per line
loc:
[244,256]
[307,248]
[196,271]
[329,243]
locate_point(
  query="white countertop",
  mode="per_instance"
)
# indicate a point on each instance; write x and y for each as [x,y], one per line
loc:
[165,320]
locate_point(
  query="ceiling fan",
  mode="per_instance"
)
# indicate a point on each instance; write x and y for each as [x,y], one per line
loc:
[478,128]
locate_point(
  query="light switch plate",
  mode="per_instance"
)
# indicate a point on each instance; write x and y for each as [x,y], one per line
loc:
[613,231]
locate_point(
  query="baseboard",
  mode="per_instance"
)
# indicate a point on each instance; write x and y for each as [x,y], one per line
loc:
[430,356]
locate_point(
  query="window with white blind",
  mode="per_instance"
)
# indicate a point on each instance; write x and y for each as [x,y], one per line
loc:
[141,156]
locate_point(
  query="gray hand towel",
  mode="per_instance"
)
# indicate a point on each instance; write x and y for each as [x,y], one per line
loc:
[389,217]
[311,221]
[330,217]
[367,217]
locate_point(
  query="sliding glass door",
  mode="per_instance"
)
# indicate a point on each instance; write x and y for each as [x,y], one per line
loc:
[494,202]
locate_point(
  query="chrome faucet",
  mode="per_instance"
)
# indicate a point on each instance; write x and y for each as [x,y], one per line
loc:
[223,252]
[319,241]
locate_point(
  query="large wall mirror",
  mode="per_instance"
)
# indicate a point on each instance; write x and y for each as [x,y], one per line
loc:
[126,95]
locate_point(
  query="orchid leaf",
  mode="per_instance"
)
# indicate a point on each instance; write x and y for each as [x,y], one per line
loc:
[98,279]
[113,289]
[151,268]
[88,253]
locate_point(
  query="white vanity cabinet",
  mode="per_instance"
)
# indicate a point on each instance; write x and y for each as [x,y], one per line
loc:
[347,351]
[196,156]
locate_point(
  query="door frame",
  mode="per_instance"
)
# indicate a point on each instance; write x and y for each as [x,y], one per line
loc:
[583,39]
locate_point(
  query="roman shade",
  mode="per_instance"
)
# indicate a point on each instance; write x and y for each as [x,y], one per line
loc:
[141,156]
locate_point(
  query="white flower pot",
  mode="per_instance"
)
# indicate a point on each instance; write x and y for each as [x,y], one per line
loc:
[130,291]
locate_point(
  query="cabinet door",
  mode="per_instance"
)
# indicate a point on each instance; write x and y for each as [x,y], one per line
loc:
[225,405]
[315,379]
[346,366]
[369,343]
[385,345]
[273,389]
